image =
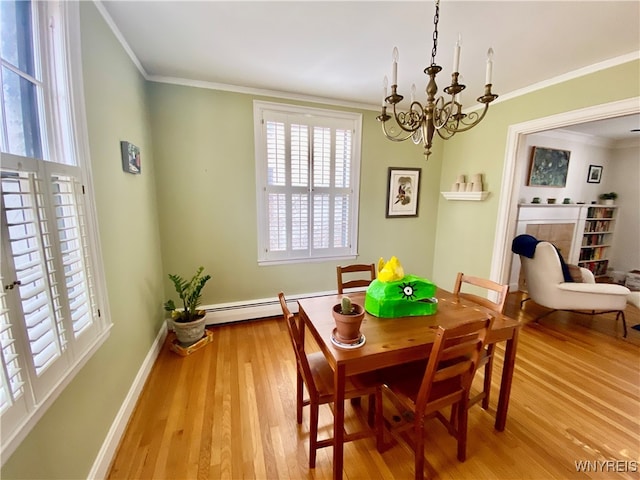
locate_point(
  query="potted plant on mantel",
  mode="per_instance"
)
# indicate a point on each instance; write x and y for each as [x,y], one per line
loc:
[348,317]
[188,322]
[608,198]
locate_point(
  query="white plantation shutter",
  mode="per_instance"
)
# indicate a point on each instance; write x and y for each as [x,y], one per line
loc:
[45,239]
[307,166]
[30,251]
[12,387]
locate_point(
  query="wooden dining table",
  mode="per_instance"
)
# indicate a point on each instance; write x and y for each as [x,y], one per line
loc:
[395,341]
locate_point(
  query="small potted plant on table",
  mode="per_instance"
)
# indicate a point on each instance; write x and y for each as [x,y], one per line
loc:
[188,322]
[348,317]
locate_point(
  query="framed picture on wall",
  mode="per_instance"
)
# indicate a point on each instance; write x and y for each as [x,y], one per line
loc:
[130,158]
[403,192]
[595,174]
[548,167]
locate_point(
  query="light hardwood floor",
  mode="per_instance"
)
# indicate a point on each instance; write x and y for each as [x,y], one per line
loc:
[228,411]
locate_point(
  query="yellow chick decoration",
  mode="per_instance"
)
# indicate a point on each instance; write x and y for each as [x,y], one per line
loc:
[390,271]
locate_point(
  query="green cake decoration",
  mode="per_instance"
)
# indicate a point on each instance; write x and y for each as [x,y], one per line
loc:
[394,294]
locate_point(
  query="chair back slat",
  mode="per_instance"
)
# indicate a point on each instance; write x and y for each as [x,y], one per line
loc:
[345,281]
[501,291]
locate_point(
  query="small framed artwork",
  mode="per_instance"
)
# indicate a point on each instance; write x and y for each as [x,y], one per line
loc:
[595,174]
[130,158]
[549,167]
[403,192]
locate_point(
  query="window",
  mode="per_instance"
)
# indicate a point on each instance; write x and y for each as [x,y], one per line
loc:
[307,172]
[52,317]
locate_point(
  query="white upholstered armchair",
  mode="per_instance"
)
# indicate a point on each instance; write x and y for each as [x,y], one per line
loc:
[547,286]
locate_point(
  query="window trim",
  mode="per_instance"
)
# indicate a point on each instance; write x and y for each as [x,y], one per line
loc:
[259,108]
[66,17]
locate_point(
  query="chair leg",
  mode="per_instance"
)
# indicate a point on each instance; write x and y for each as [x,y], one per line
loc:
[624,321]
[488,372]
[419,448]
[462,430]
[313,434]
[371,414]
[299,398]
[453,420]
[379,421]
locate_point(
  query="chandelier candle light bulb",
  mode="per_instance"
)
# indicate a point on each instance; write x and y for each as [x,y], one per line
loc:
[394,78]
[489,72]
[456,55]
[385,83]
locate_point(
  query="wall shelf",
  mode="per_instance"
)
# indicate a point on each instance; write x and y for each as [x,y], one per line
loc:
[470,196]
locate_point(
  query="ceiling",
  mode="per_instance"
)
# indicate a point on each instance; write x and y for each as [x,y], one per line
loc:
[339,51]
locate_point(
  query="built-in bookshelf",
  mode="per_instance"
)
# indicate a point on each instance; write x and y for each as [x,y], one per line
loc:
[597,236]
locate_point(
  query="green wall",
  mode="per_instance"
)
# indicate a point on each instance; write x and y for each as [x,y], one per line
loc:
[194,203]
[65,442]
[204,147]
[466,230]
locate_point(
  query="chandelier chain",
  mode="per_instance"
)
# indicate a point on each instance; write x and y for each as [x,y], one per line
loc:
[436,17]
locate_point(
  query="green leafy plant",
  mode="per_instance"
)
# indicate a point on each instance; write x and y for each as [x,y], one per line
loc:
[346,307]
[190,292]
[608,196]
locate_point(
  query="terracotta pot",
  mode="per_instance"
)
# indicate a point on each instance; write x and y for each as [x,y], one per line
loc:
[348,326]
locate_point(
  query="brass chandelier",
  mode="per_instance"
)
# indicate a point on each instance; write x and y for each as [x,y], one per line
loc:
[420,122]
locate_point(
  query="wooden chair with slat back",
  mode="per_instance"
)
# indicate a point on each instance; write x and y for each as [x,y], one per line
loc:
[314,372]
[345,280]
[486,358]
[445,381]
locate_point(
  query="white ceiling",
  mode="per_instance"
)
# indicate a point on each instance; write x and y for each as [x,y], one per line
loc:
[340,51]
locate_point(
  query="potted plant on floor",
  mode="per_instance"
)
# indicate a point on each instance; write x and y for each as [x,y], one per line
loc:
[348,317]
[188,322]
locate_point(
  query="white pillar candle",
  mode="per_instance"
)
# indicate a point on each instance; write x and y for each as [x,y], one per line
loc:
[394,77]
[385,82]
[456,56]
[413,92]
[489,74]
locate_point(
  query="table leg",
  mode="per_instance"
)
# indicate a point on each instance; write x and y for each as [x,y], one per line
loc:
[338,422]
[507,377]
[299,380]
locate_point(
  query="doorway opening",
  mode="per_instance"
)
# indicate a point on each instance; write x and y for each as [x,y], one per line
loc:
[508,205]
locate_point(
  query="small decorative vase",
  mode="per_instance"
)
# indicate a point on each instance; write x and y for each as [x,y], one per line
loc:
[190,332]
[608,201]
[348,326]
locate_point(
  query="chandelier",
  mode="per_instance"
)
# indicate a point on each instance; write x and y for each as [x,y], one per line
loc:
[445,117]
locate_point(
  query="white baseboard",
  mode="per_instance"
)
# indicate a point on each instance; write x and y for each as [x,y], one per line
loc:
[101,465]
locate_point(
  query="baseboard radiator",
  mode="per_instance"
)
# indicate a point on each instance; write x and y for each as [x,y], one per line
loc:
[252,309]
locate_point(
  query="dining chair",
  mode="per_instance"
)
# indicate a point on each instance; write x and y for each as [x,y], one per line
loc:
[486,359]
[314,372]
[346,280]
[445,381]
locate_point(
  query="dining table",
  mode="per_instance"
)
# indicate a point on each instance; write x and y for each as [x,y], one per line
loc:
[390,342]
